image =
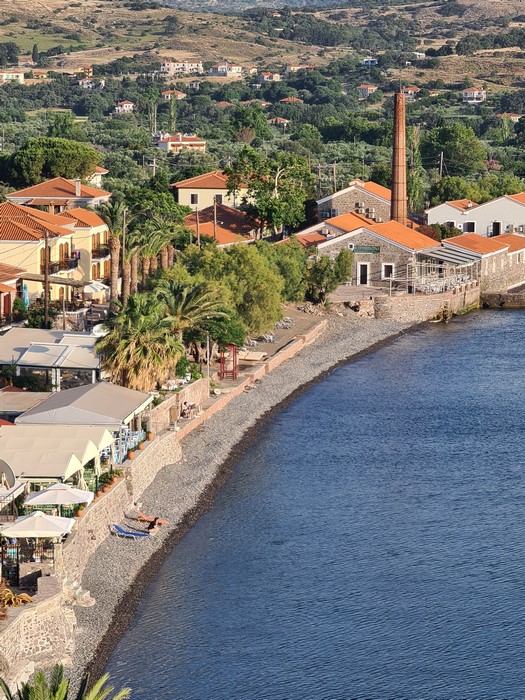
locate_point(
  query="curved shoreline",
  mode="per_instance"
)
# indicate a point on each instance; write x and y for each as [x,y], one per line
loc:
[98,643]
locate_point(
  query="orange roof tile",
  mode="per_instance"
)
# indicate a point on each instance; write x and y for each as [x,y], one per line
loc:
[403,235]
[462,204]
[513,240]
[58,189]
[520,197]
[207,181]
[9,272]
[378,190]
[84,217]
[349,222]
[25,223]
[309,240]
[233,226]
[476,243]
[291,100]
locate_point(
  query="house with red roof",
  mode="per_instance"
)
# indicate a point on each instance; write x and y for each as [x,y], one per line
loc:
[366,198]
[225,225]
[366,90]
[501,215]
[58,194]
[411,92]
[291,101]
[181,142]
[124,107]
[474,95]
[168,95]
[202,191]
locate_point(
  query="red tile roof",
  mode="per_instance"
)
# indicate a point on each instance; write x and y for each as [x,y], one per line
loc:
[309,240]
[22,223]
[291,100]
[233,226]
[462,204]
[520,197]
[513,240]
[350,222]
[9,272]
[84,217]
[59,189]
[214,180]
[476,243]
[183,138]
[403,235]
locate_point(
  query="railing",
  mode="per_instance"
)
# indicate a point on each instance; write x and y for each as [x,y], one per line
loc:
[57,266]
[101,251]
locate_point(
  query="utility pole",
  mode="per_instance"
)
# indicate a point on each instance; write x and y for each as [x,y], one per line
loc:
[334,175]
[46,279]
[215,218]
[441,165]
[154,166]
[198,228]
[319,188]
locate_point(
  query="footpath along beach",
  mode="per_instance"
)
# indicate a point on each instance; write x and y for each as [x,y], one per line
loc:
[120,570]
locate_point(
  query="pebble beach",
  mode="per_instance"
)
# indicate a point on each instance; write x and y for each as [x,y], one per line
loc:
[119,571]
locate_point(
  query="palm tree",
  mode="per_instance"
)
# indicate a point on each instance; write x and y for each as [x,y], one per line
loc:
[114,215]
[189,306]
[130,263]
[58,688]
[155,240]
[140,349]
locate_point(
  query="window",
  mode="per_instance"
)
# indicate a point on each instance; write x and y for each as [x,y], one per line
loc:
[218,199]
[450,224]
[194,198]
[496,228]
[469,227]
[388,271]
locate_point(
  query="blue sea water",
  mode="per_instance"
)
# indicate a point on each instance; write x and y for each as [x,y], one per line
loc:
[370,545]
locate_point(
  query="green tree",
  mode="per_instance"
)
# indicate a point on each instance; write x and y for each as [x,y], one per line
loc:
[325,274]
[277,186]
[189,306]
[463,152]
[416,172]
[42,158]
[140,350]
[35,54]
[63,126]
[290,260]
[309,137]
[113,214]
[57,688]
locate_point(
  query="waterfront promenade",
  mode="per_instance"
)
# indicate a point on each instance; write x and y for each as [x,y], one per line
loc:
[185,489]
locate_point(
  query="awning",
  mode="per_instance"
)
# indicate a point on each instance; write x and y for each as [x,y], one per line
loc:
[39,525]
[95,287]
[454,257]
[53,279]
[6,289]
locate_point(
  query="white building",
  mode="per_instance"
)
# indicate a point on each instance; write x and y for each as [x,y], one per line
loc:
[181,142]
[182,68]
[502,215]
[269,78]
[124,107]
[168,95]
[474,95]
[226,70]
[369,62]
[9,75]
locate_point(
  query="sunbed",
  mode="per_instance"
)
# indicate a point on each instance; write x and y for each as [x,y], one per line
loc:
[120,532]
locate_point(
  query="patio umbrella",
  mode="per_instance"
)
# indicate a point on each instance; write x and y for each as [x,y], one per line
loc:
[59,495]
[38,525]
[94,287]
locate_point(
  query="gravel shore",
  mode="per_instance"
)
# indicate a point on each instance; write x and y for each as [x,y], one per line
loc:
[116,575]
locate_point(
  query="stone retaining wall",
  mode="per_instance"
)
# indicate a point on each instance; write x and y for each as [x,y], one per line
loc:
[414,308]
[110,507]
[503,300]
[161,416]
[36,635]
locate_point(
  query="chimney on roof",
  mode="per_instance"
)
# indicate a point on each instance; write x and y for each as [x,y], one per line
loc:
[398,209]
[78,191]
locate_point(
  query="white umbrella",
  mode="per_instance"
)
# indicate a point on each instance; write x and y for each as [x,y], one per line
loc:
[39,525]
[59,495]
[94,287]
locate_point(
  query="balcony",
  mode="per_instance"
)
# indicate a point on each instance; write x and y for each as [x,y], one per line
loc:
[60,265]
[100,252]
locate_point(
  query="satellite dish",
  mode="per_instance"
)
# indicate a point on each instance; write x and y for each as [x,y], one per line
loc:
[100,330]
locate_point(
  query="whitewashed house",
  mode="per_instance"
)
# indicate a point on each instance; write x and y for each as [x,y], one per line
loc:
[474,95]
[502,215]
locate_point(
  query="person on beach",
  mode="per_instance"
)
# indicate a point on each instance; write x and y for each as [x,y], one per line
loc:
[153,526]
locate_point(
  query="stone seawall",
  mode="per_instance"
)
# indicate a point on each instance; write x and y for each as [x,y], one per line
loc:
[37,635]
[415,309]
[162,416]
[503,300]
[110,507]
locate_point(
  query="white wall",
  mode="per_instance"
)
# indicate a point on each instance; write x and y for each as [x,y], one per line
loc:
[503,209]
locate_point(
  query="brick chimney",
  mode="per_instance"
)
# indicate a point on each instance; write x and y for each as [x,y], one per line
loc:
[398,210]
[78,191]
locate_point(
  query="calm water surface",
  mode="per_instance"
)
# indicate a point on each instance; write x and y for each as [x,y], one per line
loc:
[370,545]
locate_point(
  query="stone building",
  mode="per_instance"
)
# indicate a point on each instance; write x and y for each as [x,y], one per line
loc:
[365,198]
